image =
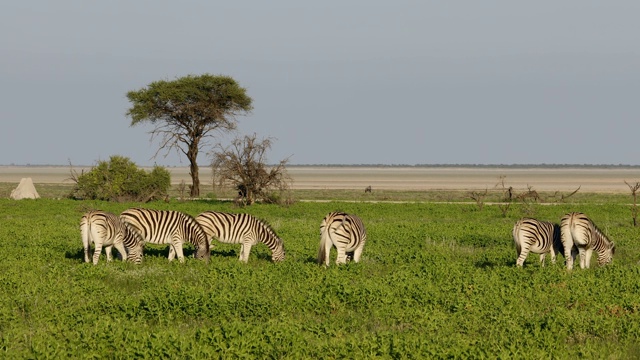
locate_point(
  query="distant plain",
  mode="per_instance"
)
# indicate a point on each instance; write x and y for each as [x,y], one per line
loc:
[589,179]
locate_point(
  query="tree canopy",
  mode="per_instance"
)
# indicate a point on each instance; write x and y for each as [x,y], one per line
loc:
[187,110]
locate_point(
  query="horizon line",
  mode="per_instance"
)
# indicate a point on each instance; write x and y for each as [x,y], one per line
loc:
[515,165]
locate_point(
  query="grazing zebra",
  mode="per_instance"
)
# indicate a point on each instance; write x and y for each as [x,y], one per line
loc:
[578,231]
[241,229]
[103,229]
[164,227]
[538,237]
[344,231]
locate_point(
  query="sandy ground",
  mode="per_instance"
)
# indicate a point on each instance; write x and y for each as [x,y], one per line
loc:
[610,180]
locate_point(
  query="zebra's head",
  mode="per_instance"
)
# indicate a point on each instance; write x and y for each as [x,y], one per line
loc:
[278,254]
[203,252]
[134,254]
[606,257]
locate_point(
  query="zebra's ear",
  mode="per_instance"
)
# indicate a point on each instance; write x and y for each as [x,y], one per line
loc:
[613,248]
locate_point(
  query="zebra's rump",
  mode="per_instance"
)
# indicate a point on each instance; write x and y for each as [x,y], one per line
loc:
[345,229]
[104,224]
[538,236]
[578,228]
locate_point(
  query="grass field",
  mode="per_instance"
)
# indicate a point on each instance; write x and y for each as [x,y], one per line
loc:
[437,280]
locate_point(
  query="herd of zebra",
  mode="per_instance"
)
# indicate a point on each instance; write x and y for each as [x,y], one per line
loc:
[576,234]
[135,227]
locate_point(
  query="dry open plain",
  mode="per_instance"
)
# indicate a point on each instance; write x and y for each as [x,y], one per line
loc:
[589,179]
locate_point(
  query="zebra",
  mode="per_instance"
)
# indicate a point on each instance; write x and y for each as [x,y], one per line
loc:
[241,229]
[344,231]
[164,227]
[579,232]
[103,229]
[538,237]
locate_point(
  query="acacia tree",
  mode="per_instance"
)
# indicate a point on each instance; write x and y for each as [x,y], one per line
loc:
[243,165]
[186,111]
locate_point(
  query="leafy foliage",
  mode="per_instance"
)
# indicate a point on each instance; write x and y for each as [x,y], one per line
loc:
[435,281]
[119,179]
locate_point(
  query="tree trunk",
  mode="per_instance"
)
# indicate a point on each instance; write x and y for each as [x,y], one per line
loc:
[193,171]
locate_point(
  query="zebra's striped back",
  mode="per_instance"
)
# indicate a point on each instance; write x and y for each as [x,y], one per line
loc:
[538,237]
[344,231]
[578,230]
[165,227]
[103,229]
[241,229]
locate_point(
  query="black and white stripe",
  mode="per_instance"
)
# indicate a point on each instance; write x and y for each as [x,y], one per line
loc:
[241,229]
[164,227]
[579,232]
[344,231]
[538,237]
[103,229]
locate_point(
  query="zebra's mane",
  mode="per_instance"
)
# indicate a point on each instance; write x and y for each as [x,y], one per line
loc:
[192,222]
[599,233]
[268,228]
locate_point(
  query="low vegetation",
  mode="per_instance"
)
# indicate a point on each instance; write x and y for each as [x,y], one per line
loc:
[119,179]
[437,280]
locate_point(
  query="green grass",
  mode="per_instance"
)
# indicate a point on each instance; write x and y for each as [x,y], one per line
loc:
[437,280]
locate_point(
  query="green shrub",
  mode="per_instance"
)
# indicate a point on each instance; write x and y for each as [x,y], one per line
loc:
[119,179]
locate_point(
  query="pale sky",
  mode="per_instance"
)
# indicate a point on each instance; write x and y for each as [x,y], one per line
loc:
[333,82]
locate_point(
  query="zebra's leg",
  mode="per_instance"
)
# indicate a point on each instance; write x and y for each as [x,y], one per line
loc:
[552,253]
[121,251]
[524,252]
[172,252]
[86,253]
[567,245]
[587,260]
[86,244]
[542,259]
[245,249]
[107,251]
[583,257]
[97,251]
[569,255]
[357,253]
[179,253]
[327,251]
[342,255]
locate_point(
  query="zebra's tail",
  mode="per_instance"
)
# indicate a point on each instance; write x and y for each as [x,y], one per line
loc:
[516,236]
[85,231]
[324,237]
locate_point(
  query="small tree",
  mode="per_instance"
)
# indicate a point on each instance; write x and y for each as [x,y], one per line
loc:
[188,110]
[243,165]
[119,179]
[507,195]
[634,209]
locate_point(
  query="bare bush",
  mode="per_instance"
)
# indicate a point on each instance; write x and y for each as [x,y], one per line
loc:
[243,166]
[478,197]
